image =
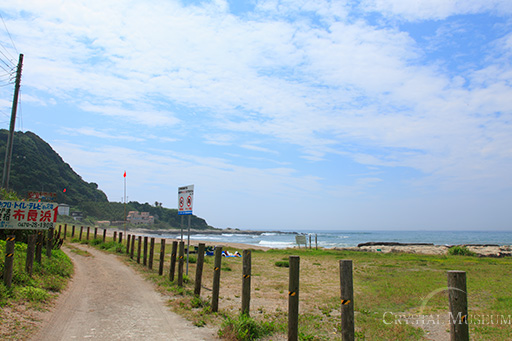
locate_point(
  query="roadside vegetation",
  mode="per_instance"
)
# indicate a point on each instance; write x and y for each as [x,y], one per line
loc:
[28,295]
[388,290]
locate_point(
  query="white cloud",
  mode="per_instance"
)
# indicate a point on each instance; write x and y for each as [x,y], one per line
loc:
[437,9]
[301,75]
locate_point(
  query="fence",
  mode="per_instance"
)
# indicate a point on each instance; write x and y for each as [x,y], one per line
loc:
[456,279]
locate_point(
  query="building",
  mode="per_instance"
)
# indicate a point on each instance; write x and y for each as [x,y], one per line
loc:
[135,217]
[63,209]
[78,216]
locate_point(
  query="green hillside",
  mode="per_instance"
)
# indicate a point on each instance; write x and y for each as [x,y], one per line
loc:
[36,166]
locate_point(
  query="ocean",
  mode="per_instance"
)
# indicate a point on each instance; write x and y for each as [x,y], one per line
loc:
[331,239]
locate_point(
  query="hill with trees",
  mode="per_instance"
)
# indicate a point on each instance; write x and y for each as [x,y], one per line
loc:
[37,167]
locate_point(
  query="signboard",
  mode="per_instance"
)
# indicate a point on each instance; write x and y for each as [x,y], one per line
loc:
[185,199]
[43,196]
[27,215]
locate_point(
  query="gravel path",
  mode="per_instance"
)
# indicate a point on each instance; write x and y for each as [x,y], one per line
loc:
[107,300]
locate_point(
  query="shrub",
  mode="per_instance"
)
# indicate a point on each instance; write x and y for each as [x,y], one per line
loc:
[282,264]
[245,328]
[460,251]
[33,294]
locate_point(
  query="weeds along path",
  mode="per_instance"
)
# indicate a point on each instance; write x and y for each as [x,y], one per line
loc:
[107,300]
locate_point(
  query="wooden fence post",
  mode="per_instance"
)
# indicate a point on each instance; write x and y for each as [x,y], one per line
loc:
[65,231]
[104,235]
[49,243]
[246,282]
[81,231]
[293,298]
[172,266]
[151,253]
[347,300]
[132,248]
[139,248]
[199,269]
[39,246]
[457,292]
[9,260]
[30,254]
[162,257]
[216,278]
[88,232]
[120,239]
[181,259]
[95,233]
[73,231]
[128,238]
[115,236]
[145,258]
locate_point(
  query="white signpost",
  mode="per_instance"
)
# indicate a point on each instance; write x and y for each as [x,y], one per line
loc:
[185,200]
[185,205]
[28,215]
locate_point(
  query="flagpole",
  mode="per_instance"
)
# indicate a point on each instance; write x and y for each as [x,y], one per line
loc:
[124,202]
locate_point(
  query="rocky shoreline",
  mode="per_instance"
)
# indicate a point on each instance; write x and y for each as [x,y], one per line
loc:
[481,250]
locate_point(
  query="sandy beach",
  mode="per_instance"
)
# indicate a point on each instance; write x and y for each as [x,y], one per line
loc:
[378,247]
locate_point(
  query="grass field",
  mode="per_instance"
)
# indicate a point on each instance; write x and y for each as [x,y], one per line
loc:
[387,288]
[390,291]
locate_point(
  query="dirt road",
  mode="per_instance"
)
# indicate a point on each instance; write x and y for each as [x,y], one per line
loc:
[107,300]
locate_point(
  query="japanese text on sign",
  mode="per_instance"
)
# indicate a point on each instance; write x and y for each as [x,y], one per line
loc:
[43,196]
[20,215]
[185,199]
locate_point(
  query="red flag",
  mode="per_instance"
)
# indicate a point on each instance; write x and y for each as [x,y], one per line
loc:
[124,174]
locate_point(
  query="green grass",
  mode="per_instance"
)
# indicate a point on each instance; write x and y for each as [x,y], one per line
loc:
[30,292]
[385,285]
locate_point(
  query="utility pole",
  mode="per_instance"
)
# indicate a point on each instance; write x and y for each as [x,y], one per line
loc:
[8,148]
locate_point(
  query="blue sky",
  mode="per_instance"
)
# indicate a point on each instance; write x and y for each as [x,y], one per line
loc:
[347,115]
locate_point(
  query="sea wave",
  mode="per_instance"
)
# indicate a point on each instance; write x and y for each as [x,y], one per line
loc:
[276,245]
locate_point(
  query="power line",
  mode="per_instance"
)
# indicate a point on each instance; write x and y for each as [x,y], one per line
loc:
[9,34]
[11,62]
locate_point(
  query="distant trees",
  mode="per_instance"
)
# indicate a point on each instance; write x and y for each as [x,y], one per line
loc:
[37,167]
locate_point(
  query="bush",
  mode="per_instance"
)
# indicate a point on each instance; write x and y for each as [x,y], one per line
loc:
[282,264]
[32,294]
[460,251]
[245,328]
